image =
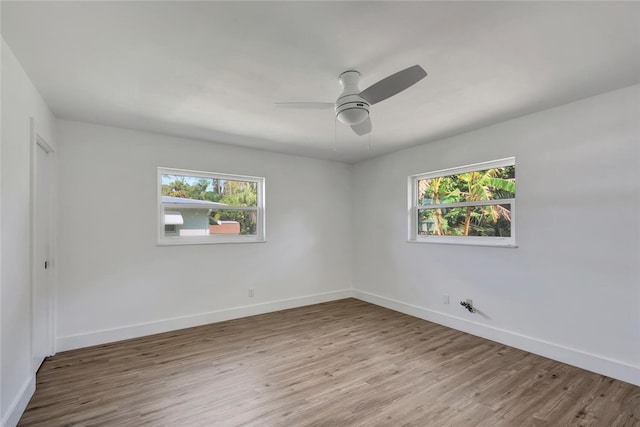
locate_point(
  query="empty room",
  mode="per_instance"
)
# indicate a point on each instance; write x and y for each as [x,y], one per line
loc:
[320,213]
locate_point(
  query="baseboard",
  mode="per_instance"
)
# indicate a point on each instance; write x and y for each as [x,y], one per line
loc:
[19,404]
[601,365]
[591,362]
[72,342]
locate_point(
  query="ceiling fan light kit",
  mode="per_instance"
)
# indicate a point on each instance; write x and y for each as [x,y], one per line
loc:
[352,106]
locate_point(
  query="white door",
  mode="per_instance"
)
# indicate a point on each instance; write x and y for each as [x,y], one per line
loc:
[41,240]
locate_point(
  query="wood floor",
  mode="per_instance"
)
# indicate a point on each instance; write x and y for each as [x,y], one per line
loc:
[343,363]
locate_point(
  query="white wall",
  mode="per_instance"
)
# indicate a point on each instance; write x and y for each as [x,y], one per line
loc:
[115,283]
[20,102]
[571,290]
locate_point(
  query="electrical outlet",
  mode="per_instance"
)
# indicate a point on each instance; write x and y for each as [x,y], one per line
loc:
[250,292]
[445,299]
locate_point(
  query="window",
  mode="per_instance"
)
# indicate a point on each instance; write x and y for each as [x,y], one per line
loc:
[471,205]
[204,207]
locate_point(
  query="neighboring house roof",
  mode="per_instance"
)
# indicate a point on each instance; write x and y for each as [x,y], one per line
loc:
[184,203]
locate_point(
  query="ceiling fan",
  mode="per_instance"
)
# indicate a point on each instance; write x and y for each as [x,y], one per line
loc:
[352,106]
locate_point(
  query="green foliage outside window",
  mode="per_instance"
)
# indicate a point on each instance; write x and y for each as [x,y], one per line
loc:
[475,186]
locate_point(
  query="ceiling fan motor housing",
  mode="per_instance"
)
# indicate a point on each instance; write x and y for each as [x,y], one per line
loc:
[351,108]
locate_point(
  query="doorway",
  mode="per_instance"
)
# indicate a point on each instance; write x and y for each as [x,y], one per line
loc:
[41,283]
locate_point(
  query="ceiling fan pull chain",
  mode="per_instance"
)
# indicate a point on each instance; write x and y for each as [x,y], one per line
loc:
[369,142]
[335,133]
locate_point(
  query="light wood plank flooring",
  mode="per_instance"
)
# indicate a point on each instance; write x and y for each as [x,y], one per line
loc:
[343,363]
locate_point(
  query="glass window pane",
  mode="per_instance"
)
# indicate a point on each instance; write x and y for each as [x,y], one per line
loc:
[226,191]
[488,184]
[207,207]
[491,221]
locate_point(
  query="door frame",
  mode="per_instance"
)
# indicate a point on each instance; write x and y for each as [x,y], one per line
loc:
[37,140]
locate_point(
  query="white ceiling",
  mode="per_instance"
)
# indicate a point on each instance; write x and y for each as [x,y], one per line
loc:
[213,70]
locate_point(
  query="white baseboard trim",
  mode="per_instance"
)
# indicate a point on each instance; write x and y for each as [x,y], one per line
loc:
[19,404]
[591,362]
[88,339]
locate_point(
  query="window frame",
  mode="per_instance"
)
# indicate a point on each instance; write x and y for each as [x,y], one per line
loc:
[259,237]
[414,208]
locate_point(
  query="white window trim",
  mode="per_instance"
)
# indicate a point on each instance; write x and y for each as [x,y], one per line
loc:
[260,235]
[414,208]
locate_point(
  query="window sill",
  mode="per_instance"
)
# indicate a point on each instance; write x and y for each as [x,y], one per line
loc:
[181,242]
[467,243]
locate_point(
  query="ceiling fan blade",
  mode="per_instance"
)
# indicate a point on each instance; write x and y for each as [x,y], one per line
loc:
[306,105]
[362,128]
[393,84]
